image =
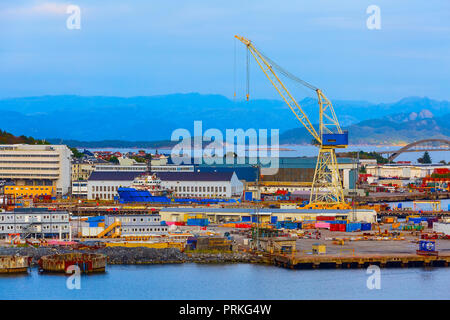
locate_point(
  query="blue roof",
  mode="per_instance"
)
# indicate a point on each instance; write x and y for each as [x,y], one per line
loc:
[246,173]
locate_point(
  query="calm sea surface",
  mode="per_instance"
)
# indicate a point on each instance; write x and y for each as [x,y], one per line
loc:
[237,281]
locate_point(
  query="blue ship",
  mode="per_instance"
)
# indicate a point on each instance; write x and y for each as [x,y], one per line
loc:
[131,195]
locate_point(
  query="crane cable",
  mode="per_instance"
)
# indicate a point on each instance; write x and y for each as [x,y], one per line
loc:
[287,73]
[248,74]
[234,71]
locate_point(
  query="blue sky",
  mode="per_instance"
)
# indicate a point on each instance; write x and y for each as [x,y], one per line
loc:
[148,47]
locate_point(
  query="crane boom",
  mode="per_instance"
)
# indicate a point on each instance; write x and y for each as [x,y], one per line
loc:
[327,187]
[281,88]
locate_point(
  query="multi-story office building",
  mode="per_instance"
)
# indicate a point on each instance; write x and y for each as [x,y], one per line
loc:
[82,168]
[31,166]
[80,189]
[34,222]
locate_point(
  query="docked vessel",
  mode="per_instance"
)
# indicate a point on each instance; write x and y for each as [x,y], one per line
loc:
[14,264]
[150,183]
[87,262]
[130,195]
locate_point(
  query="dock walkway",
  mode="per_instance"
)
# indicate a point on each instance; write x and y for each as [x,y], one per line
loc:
[359,261]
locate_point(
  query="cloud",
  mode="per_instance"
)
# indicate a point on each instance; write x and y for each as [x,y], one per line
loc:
[44,8]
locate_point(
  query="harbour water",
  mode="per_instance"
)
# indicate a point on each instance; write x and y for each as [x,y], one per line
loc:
[233,281]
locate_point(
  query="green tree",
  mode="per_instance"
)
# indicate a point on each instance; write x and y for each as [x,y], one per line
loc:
[76,153]
[443,162]
[425,158]
[114,159]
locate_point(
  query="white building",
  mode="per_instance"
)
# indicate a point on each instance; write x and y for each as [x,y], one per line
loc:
[36,222]
[80,189]
[103,185]
[37,165]
[173,168]
[141,167]
[202,184]
[407,171]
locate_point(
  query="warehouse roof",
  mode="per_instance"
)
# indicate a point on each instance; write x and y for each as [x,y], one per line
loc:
[113,175]
[195,176]
[247,173]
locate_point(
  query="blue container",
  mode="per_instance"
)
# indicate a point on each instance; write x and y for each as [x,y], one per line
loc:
[246,218]
[254,218]
[197,222]
[280,224]
[366,226]
[248,196]
[96,219]
[289,225]
[415,220]
[351,227]
[93,224]
[273,219]
[426,245]
[191,240]
[399,206]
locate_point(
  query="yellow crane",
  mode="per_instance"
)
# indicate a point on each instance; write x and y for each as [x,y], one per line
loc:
[326,191]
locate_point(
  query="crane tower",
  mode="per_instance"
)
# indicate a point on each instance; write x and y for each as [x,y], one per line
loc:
[326,191]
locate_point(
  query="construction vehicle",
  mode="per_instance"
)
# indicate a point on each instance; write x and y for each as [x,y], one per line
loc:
[327,190]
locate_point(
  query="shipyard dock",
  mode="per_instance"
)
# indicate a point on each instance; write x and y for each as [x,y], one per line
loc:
[359,261]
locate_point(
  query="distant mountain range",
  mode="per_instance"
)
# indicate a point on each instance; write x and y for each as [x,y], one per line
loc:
[396,129]
[153,118]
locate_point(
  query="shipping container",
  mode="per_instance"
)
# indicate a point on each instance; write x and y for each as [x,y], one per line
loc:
[90,232]
[322,225]
[354,226]
[366,226]
[325,218]
[427,245]
[197,222]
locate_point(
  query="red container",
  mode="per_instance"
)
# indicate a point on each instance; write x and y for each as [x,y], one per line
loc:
[323,218]
[342,227]
[334,227]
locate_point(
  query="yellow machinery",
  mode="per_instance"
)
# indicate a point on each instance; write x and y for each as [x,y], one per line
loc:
[326,191]
[116,227]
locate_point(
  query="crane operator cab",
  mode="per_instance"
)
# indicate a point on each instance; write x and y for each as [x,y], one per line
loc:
[336,140]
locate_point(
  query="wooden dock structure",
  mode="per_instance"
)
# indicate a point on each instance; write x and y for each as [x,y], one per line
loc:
[359,261]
